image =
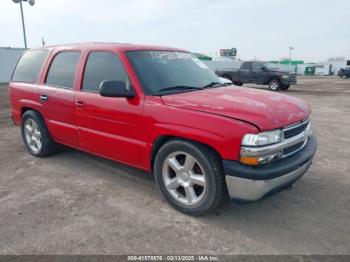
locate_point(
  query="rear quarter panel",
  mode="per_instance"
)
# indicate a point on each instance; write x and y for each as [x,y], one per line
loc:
[23,95]
[228,72]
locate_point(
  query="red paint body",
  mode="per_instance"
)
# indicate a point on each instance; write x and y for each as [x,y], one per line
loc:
[125,129]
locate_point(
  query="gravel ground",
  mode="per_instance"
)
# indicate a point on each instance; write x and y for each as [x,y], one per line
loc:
[75,203]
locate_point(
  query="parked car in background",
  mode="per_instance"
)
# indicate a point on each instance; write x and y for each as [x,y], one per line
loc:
[344,73]
[256,72]
[225,81]
[162,110]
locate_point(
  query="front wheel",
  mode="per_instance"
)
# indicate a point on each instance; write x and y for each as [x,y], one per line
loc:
[343,76]
[237,83]
[190,176]
[274,85]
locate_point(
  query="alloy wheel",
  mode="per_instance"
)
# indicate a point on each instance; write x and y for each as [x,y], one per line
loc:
[32,135]
[184,178]
[274,85]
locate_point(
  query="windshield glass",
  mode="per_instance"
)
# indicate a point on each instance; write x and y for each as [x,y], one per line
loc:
[159,70]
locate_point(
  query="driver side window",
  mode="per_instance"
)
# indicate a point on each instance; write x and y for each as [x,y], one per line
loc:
[257,67]
[101,66]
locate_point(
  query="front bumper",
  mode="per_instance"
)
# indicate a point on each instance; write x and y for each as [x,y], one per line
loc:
[250,183]
[289,81]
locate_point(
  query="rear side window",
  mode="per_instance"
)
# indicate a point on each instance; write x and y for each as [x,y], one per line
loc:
[246,66]
[102,66]
[29,65]
[62,69]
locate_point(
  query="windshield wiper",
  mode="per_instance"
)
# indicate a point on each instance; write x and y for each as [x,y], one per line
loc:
[180,88]
[213,84]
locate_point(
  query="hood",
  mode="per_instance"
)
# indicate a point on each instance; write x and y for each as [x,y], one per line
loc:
[265,109]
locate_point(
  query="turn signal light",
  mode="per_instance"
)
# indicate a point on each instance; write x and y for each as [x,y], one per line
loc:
[249,160]
[260,160]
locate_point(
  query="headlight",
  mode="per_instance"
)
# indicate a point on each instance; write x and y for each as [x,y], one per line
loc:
[262,139]
[285,76]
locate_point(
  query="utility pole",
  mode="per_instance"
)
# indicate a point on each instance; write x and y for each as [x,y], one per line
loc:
[31,2]
[23,26]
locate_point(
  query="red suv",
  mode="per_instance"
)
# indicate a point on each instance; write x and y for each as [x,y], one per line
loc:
[162,110]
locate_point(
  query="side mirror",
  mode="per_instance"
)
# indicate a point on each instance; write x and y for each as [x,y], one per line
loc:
[109,88]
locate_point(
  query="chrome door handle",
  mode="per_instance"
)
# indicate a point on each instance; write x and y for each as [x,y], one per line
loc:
[44,97]
[79,103]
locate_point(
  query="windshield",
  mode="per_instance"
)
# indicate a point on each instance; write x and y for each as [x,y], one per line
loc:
[168,72]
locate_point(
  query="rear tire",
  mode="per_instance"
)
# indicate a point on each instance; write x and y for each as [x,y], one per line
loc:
[274,84]
[227,77]
[237,83]
[344,76]
[36,136]
[190,176]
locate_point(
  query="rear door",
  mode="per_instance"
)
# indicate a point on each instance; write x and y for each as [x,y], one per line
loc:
[245,72]
[109,126]
[57,96]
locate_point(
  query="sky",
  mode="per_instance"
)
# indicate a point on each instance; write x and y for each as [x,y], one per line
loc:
[261,29]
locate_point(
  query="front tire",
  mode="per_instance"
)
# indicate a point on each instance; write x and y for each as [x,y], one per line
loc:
[343,76]
[190,176]
[36,136]
[237,83]
[284,87]
[274,84]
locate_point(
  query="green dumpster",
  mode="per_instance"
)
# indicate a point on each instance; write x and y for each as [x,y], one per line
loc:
[310,70]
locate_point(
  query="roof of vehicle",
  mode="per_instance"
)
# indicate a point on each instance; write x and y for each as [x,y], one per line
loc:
[110,46]
[254,61]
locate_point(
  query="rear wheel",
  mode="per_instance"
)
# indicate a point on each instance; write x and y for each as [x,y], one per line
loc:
[274,85]
[285,87]
[237,83]
[227,77]
[343,76]
[190,176]
[36,136]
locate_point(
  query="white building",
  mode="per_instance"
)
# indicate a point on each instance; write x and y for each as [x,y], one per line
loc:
[8,60]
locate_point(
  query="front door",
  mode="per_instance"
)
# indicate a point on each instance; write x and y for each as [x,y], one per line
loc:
[259,73]
[108,126]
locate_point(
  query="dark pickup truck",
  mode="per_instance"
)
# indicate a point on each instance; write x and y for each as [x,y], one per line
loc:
[259,73]
[344,73]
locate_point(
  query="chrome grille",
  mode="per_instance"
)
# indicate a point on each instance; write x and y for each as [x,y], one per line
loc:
[294,131]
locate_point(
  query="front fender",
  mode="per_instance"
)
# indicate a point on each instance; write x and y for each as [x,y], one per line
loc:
[221,133]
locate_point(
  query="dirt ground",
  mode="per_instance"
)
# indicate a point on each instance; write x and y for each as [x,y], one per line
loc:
[75,203]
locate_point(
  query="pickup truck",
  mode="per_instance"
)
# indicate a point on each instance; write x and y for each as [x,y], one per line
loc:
[344,73]
[162,110]
[259,73]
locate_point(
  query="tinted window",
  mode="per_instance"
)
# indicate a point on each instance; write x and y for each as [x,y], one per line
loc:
[62,69]
[102,66]
[29,65]
[257,66]
[158,70]
[246,66]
